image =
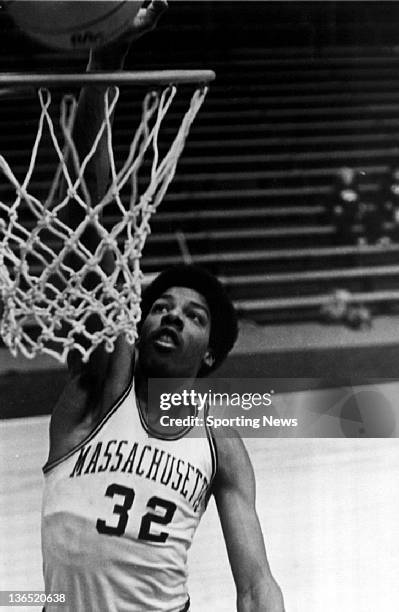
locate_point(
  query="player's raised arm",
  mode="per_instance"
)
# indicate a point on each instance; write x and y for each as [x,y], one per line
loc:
[234,491]
[89,117]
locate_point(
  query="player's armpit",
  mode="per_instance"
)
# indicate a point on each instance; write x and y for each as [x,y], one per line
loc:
[234,491]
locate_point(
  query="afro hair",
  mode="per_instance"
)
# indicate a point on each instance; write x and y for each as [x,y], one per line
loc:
[224,327]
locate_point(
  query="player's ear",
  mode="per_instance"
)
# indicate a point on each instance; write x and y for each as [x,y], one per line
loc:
[209,358]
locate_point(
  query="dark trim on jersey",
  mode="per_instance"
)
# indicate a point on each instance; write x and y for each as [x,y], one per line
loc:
[50,465]
[212,447]
[186,607]
[153,434]
[214,457]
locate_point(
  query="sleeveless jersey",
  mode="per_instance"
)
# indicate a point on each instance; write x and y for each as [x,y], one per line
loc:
[119,514]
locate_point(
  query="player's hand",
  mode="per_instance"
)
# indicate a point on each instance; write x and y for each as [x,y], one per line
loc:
[147,19]
[112,56]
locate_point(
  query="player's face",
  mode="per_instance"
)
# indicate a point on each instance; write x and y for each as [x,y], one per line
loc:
[174,339]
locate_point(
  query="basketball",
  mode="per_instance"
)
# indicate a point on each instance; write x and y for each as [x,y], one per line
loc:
[73,24]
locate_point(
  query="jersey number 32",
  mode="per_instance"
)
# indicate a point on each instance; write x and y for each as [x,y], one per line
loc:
[122,510]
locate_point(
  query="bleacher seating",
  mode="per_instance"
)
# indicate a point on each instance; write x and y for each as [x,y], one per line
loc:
[250,199]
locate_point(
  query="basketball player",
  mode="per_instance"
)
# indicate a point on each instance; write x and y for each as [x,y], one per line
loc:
[122,502]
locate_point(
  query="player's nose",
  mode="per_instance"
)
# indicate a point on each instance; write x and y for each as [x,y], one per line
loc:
[173,317]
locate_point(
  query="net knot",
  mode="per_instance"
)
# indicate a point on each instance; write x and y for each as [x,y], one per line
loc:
[20,191]
[110,243]
[80,328]
[72,193]
[70,243]
[92,216]
[12,217]
[46,219]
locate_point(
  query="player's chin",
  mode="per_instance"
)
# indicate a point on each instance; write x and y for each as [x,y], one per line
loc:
[174,366]
[162,363]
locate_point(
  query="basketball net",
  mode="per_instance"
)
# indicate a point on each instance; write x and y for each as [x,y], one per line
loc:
[46,300]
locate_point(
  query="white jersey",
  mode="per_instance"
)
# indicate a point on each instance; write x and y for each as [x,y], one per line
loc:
[119,514]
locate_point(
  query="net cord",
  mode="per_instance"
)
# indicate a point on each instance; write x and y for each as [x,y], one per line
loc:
[37,282]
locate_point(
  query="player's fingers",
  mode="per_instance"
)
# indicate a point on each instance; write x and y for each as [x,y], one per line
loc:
[147,19]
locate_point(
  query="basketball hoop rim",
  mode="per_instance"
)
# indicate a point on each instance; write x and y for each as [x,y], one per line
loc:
[139,78]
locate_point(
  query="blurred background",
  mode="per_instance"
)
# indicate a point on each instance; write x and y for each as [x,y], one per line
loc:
[288,190]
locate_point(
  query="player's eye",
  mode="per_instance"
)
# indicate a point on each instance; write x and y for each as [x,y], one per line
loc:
[159,307]
[197,318]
